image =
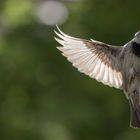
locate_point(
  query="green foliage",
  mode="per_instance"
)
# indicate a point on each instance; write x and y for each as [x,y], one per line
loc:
[42,97]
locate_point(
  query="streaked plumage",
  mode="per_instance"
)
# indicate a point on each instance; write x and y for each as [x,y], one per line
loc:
[114,66]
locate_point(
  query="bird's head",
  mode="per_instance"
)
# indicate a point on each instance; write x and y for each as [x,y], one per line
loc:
[137,37]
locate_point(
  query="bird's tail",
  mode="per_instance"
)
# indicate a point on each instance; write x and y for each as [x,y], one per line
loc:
[135,111]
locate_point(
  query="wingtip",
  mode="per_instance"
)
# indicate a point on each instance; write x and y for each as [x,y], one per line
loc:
[60,49]
[57,27]
[60,41]
[56,32]
[55,38]
[60,32]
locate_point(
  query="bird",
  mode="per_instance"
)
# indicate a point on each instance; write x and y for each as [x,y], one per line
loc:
[115,66]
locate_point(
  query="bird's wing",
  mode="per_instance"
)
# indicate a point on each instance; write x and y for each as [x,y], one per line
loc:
[93,58]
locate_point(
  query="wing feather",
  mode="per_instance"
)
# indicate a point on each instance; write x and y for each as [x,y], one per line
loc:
[96,59]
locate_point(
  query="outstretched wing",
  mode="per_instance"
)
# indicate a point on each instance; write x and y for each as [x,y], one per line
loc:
[96,59]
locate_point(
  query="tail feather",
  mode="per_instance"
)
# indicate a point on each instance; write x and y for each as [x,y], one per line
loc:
[135,116]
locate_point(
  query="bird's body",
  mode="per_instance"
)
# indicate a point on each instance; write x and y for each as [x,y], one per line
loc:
[117,67]
[131,83]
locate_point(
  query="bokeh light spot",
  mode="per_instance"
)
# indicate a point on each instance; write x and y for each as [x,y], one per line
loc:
[51,12]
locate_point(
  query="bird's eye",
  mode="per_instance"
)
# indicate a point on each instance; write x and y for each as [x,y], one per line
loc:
[135,45]
[136,48]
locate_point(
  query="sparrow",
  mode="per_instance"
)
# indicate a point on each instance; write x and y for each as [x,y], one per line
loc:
[115,66]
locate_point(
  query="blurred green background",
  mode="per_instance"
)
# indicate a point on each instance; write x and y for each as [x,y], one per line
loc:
[42,97]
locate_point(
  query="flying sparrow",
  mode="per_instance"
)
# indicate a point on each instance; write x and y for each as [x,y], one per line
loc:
[114,66]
